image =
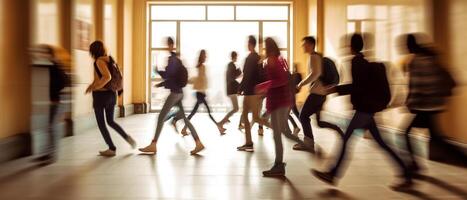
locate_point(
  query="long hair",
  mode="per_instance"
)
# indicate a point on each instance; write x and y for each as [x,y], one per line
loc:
[97,49]
[271,47]
[201,57]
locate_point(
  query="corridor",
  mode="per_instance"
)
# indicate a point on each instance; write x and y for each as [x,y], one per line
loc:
[219,172]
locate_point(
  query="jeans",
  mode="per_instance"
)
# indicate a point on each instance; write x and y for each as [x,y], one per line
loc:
[174,99]
[362,120]
[104,102]
[279,127]
[313,105]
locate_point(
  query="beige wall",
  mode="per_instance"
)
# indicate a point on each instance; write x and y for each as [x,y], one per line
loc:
[450,36]
[15,76]
[127,51]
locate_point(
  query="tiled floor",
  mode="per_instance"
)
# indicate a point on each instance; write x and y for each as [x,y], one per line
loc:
[219,172]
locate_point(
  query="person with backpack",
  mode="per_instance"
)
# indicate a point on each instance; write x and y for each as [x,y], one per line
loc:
[277,90]
[430,85]
[252,70]
[200,85]
[232,85]
[175,78]
[107,82]
[369,93]
[323,74]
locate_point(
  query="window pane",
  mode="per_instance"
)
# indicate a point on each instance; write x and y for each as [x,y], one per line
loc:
[284,55]
[160,32]
[178,12]
[158,62]
[220,13]
[358,12]
[276,30]
[350,27]
[262,12]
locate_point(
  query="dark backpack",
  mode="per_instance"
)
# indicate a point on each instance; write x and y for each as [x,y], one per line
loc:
[116,83]
[329,75]
[182,74]
[379,92]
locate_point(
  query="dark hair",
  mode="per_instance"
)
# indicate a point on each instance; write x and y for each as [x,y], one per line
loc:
[233,54]
[271,47]
[97,49]
[252,40]
[356,42]
[170,41]
[309,40]
[201,53]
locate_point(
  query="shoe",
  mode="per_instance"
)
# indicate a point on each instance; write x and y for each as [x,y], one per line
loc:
[241,127]
[50,157]
[296,130]
[246,147]
[403,186]
[277,170]
[174,125]
[151,148]
[107,153]
[199,147]
[308,145]
[326,177]
[260,132]
[184,132]
[132,142]
[221,129]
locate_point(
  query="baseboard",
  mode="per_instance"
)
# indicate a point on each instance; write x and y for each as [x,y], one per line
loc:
[421,144]
[140,108]
[15,147]
[127,110]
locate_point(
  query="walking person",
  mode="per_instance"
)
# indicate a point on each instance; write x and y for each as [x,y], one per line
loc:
[369,93]
[315,100]
[175,78]
[105,97]
[278,102]
[430,85]
[232,86]
[200,85]
[251,101]
[295,79]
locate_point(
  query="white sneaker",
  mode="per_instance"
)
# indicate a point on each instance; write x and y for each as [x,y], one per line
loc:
[107,153]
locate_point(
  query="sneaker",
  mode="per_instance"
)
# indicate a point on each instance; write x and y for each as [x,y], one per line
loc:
[276,170]
[199,147]
[174,125]
[296,130]
[403,186]
[107,153]
[151,148]
[260,132]
[241,127]
[132,142]
[246,147]
[326,177]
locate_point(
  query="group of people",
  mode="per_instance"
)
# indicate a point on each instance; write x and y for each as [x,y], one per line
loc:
[268,77]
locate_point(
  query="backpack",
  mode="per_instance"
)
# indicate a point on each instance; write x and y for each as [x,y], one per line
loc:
[116,83]
[329,75]
[379,92]
[182,74]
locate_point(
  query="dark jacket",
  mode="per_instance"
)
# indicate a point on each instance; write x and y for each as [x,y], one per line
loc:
[170,75]
[358,90]
[231,75]
[253,74]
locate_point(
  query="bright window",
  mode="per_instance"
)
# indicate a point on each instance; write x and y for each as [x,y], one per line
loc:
[163,12]
[221,13]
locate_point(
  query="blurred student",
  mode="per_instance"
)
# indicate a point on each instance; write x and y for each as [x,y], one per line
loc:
[175,79]
[318,91]
[369,93]
[429,87]
[200,85]
[278,102]
[295,79]
[251,101]
[232,86]
[107,81]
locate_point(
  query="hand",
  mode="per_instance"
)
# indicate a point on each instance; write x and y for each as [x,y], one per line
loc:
[89,89]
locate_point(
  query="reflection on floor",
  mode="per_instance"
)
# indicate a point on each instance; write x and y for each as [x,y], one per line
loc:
[219,172]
